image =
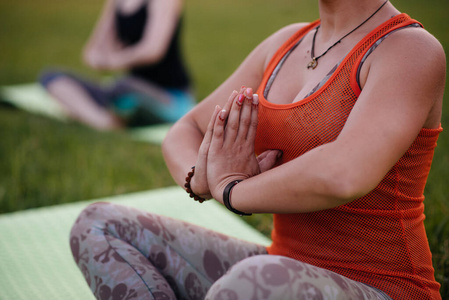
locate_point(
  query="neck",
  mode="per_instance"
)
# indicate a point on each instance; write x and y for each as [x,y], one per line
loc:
[340,16]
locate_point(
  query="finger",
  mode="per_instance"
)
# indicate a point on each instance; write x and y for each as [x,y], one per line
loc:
[242,89]
[232,125]
[262,156]
[252,130]
[245,115]
[268,159]
[201,162]
[228,104]
[218,131]
[204,147]
[231,98]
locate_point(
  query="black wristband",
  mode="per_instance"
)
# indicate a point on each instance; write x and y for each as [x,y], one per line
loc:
[227,200]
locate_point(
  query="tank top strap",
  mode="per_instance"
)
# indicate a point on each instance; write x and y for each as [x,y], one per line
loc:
[349,63]
[355,57]
[281,54]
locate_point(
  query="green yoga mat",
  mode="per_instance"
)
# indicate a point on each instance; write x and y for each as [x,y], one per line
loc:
[35,258]
[31,97]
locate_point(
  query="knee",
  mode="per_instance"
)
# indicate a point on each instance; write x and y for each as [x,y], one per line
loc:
[263,277]
[48,76]
[92,216]
[236,283]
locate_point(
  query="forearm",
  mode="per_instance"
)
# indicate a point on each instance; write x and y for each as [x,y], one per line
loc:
[157,35]
[313,182]
[101,46]
[103,40]
[182,144]
[137,55]
[101,36]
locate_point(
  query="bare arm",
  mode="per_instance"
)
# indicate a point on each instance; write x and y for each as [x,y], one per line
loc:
[103,40]
[402,93]
[187,134]
[104,50]
[163,16]
[181,146]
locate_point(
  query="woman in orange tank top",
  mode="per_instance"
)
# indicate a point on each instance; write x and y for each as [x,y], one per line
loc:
[341,162]
[356,151]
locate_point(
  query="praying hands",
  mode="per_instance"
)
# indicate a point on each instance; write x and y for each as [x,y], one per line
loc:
[227,153]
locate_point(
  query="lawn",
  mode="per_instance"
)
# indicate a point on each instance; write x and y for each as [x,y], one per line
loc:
[45,162]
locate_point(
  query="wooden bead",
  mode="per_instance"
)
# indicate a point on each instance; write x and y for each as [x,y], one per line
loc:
[189,189]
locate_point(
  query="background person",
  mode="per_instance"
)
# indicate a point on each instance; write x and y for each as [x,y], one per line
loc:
[142,39]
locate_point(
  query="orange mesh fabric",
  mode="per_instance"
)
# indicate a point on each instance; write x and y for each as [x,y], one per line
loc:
[378,239]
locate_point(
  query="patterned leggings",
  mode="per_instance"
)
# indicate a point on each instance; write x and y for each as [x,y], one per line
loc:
[125,253]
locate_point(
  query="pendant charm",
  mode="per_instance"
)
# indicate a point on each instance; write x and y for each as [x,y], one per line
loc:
[312,64]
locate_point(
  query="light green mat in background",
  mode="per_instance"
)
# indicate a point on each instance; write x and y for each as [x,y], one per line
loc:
[33,98]
[35,258]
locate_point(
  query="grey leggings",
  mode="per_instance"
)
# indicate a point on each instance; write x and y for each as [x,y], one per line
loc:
[125,253]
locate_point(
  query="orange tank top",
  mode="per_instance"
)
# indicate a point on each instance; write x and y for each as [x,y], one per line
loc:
[378,239]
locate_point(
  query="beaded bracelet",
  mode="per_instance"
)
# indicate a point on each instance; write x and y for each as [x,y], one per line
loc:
[227,198]
[189,189]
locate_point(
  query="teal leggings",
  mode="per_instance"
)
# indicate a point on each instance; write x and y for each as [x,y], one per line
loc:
[125,253]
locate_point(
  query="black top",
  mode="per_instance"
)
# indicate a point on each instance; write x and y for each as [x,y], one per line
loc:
[170,71]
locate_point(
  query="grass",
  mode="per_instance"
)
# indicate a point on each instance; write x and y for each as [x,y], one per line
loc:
[44,162]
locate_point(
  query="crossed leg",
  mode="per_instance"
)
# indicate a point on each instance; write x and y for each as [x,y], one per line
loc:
[278,277]
[130,254]
[125,253]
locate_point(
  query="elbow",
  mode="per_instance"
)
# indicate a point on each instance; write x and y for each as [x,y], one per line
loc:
[346,186]
[343,191]
[150,59]
[170,143]
[157,55]
[165,146]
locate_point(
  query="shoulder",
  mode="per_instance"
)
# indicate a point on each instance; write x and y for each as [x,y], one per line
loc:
[411,52]
[411,65]
[418,42]
[412,49]
[287,31]
[272,44]
[263,53]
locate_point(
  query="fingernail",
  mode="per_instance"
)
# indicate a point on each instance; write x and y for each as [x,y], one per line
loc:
[249,93]
[255,99]
[222,115]
[240,99]
[243,87]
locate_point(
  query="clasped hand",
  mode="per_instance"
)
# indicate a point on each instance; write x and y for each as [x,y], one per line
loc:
[112,60]
[227,151]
